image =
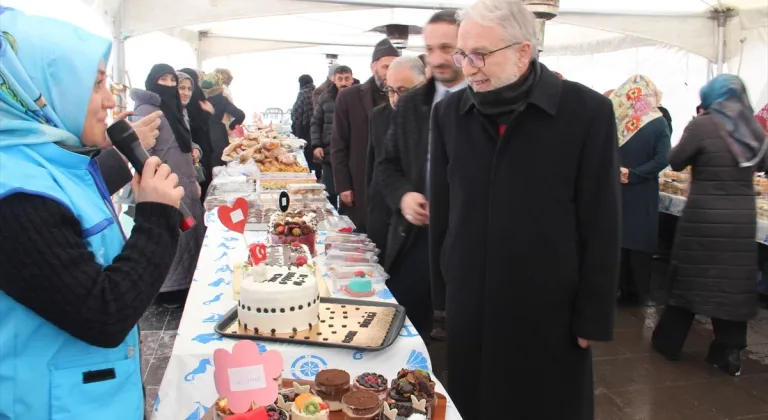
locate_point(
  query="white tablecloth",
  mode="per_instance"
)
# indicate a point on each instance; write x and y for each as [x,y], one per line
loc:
[188,389]
[674,204]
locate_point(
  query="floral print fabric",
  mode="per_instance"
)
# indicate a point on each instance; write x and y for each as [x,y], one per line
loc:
[635,103]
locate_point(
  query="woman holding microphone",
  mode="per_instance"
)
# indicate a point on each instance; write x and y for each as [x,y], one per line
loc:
[71,287]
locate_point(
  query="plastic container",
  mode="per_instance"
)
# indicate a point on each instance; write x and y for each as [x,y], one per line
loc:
[359,248]
[347,238]
[307,189]
[336,257]
[341,224]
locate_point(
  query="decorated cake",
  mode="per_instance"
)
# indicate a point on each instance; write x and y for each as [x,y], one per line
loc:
[331,385]
[373,382]
[310,407]
[278,299]
[294,254]
[412,383]
[286,397]
[290,227]
[361,405]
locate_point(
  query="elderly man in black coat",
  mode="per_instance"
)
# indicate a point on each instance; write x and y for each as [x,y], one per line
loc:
[524,224]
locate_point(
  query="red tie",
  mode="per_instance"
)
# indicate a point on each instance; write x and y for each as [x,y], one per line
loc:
[502,129]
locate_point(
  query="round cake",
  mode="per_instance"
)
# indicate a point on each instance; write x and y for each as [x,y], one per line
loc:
[278,299]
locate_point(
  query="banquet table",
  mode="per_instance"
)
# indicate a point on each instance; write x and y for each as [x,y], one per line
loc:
[675,204]
[187,390]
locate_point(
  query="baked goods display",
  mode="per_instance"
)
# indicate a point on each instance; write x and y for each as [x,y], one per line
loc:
[279,298]
[291,227]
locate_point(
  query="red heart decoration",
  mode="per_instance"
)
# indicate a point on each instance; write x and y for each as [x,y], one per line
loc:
[234,217]
[258,253]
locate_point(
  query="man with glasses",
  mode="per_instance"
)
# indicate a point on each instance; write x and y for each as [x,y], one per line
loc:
[405,74]
[402,171]
[524,223]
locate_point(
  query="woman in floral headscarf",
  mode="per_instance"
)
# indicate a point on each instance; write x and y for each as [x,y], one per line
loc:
[643,146]
[213,87]
[714,260]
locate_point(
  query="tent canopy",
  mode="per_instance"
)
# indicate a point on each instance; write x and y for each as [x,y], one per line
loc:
[227,27]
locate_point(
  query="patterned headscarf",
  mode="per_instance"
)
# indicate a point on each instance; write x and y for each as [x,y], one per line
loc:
[725,98]
[762,118]
[47,73]
[212,84]
[635,104]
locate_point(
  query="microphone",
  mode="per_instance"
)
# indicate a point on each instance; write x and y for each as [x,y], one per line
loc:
[126,141]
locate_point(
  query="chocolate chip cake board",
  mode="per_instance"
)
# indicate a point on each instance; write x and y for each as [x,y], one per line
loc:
[351,324]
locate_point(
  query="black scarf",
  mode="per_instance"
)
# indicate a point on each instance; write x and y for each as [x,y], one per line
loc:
[503,103]
[170,104]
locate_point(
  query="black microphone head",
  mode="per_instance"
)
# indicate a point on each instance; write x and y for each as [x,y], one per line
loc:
[121,134]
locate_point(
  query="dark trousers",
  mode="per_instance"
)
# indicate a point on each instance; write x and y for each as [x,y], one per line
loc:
[635,274]
[409,283]
[330,188]
[672,330]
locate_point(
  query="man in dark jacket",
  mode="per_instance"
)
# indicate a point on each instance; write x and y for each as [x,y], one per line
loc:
[322,126]
[404,74]
[349,142]
[529,286]
[324,86]
[402,170]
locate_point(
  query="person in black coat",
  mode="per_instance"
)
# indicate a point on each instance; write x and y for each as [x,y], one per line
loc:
[524,224]
[199,126]
[214,90]
[301,119]
[321,128]
[412,289]
[643,148]
[714,259]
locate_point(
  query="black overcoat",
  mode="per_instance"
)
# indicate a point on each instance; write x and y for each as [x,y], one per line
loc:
[524,229]
[714,260]
[379,212]
[644,155]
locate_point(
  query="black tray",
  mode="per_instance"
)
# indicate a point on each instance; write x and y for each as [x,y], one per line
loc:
[394,328]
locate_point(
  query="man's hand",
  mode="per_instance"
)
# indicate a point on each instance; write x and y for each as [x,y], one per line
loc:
[584,343]
[624,175]
[348,198]
[415,208]
[207,107]
[318,154]
[195,155]
[146,128]
[157,184]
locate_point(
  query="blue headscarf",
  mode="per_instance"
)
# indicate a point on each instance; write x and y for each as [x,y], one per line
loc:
[725,98]
[47,74]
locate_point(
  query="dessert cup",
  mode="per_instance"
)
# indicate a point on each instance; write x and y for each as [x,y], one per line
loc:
[331,385]
[361,405]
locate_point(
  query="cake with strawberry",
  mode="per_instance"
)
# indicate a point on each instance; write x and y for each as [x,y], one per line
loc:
[276,298]
[373,382]
[290,227]
[310,407]
[360,285]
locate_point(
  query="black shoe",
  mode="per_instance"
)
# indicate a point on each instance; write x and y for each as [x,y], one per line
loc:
[668,356]
[727,360]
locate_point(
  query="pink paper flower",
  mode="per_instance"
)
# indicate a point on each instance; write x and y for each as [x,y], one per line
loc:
[245,376]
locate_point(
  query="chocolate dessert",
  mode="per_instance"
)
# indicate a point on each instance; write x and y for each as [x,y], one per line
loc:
[373,382]
[399,411]
[412,382]
[276,413]
[361,405]
[331,385]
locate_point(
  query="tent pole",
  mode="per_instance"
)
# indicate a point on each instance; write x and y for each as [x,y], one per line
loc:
[722,20]
[119,57]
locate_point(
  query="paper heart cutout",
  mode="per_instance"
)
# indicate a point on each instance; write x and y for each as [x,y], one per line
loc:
[234,217]
[258,253]
[245,376]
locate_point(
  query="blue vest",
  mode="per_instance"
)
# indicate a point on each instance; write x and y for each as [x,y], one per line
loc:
[45,373]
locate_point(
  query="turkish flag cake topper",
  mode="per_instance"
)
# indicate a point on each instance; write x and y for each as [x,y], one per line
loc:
[234,217]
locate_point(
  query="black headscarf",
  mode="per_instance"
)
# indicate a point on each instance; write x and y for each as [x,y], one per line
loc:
[198,118]
[305,80]
[170,104]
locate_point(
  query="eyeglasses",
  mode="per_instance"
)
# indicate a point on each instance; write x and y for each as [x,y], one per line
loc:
[400,91]
[476,60]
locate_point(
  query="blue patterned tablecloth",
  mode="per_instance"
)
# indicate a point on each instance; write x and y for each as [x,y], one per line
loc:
[188,389]
[675,204]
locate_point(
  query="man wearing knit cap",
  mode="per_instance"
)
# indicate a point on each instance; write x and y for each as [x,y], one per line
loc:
[349,141]
[325,85]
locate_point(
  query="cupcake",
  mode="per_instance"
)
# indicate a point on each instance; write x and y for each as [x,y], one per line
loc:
[310,407]
[372,382]
[276,413]
[286,397]
[361,405]
[409,383]
[331,385]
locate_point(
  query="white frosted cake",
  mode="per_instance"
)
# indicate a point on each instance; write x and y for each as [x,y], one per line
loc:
[279,297]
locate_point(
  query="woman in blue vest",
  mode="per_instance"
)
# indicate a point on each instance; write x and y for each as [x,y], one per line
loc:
[71,287]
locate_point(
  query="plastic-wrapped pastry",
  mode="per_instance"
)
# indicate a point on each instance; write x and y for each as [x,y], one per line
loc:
[286,159]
